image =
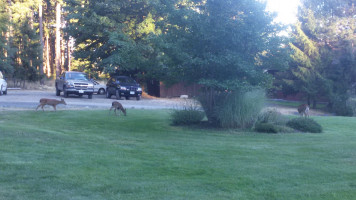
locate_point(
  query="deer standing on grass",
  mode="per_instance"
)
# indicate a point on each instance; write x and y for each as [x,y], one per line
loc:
[117,106]
[304,110]
[50,102]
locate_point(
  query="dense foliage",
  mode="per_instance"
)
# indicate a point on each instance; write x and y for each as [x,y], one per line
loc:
[305,125]
[323,59]
[218,44]
[110,36]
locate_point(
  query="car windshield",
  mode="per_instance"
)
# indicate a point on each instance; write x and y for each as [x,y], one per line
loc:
[125,80]
[76,76]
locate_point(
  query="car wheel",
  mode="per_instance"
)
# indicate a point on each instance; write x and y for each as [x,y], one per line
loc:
[5,92]
[0,90]
[138,98]
[58,92]
[117,93]
[90,96]
[108,95]
[80,95]
[127,98]
[101,91]
[65,92]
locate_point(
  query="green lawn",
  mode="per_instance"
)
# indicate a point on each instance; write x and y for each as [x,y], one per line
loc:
[91,155]
[295,104]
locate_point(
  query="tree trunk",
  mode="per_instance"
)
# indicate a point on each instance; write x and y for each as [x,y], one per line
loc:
[48,65]
[42,43]
[58,39]
[9,32]
[69,53]
[63,61]
[314,104]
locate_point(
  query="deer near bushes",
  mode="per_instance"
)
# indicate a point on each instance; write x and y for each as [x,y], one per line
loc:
[117,106]
[304,110]
[50,102]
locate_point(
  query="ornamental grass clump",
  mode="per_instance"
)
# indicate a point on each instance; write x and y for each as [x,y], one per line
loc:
[233,109]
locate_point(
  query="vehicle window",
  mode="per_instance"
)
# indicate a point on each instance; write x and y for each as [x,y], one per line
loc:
[125,80]
[76,76]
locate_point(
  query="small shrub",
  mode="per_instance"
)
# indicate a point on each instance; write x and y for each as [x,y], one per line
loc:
[305,125]
[190,114]
[284,129]
[266,128]
[272,116]
[272,121]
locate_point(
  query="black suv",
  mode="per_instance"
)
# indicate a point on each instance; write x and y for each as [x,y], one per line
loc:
[123,86]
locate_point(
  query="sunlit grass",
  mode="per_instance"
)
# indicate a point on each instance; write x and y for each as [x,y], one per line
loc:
[94,155]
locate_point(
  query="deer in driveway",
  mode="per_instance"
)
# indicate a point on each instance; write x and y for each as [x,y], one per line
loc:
[50,102]
[117,106]
[304,110]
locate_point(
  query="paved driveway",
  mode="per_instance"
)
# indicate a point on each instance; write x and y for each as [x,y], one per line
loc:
[29,99]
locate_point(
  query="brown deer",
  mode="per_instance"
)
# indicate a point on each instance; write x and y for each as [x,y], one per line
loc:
[50,102]
[304,110]
[117,106]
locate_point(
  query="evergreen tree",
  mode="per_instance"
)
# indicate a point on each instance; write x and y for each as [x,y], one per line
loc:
[335,32]
[305,75]
[6,52]
[26,41]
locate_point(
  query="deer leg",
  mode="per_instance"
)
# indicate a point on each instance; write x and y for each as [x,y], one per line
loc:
[38,107]
[115,111]
[110,110]
[42,107]
[54,106]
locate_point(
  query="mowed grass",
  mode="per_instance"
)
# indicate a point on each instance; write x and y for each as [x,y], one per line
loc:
[93,155]
[295,104]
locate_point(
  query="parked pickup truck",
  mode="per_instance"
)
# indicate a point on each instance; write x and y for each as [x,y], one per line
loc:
[71,82]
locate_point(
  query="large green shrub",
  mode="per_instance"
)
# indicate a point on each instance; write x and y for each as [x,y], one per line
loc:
[190,114]
[235,109]
[341,106]
[305,125]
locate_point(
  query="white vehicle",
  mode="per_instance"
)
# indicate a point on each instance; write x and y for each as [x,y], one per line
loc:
[98,88]
[3,85]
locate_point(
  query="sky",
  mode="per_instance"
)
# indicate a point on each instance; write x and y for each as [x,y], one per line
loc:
[286,9]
